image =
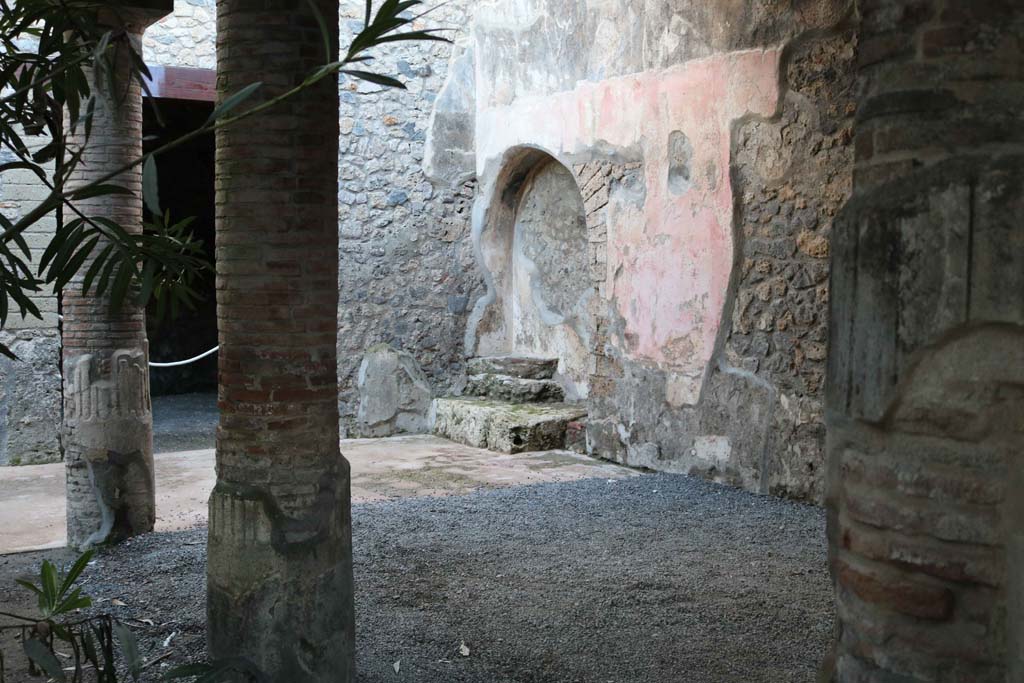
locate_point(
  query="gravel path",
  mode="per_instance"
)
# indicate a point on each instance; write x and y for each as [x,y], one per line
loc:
[184,422]
[652,579]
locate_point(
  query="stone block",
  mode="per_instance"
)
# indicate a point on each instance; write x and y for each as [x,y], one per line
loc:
[524,367]
[30,399]
[504,427]
[514,389]
[394,394]
[576,436]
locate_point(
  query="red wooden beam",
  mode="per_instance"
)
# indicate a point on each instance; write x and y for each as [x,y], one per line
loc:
[183,83]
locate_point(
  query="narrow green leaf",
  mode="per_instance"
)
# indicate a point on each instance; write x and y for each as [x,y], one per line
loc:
[119,289]
[151,185]
[89,648]
[386,81]
[233,101]
[59,242]
[97,191]
[15,165]
[90,112]
[48,581]
[146,288]
[129,649]
[74,601]
[76,569]
[39,653]
[427,34]
[108,269]
[324,33]
[94,268]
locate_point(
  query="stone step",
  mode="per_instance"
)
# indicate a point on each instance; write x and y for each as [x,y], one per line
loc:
[523,367]
[514,389]
[502,426]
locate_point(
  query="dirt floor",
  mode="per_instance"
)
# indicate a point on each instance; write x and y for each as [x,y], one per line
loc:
[645,579]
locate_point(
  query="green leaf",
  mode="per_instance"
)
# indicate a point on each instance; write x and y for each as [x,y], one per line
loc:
[74,601]
[29,585]
[88,117]
[94,268]
[233,101]
[108,269]
[150,185]
[6,351]
[49,583]
[89,648]
[97,191]
[427,34]
[76,569]
[39,653]
[119,289]
[14,165]
[58,242]
[324,33]
[146,289]
[129,649]
[72,266]
[386,81]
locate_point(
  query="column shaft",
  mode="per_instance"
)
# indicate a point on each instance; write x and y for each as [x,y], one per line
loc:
[925,406]
[108,421]
[280,565]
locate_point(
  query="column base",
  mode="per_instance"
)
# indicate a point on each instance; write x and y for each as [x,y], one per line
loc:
[279,591]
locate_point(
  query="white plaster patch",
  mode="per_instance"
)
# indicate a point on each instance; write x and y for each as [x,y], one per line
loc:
[713,450]
[681,390]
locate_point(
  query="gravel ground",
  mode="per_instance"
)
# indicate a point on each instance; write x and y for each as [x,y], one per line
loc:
[184,422]
[653,579]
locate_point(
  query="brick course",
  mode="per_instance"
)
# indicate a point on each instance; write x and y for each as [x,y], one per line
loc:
[280,547]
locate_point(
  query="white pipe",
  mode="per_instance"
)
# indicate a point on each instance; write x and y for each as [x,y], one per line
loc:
[204,354]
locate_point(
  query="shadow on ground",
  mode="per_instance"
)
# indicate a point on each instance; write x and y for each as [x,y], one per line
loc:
[184,422]
[653,579]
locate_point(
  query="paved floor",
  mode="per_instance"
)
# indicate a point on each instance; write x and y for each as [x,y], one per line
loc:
[32,513]
[476,567]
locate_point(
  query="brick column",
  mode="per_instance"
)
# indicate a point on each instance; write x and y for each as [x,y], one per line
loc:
[280,564]
[108,422]
[925,401]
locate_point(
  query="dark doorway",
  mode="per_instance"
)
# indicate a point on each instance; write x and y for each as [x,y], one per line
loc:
[186,189]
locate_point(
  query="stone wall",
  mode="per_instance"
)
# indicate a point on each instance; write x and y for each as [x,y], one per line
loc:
[407,276]
[792,173]
[186,37]
[30,387]
[726,151]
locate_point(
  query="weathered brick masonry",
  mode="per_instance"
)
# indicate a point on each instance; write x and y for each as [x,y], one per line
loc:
[279,554]
[926,355]
[108,420]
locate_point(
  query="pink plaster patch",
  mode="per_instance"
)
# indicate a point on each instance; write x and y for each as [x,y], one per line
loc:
[672,257]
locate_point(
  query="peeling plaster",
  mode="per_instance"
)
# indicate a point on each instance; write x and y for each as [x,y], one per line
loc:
[670,258]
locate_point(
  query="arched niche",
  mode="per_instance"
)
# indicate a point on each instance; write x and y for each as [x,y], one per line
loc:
[534,247]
